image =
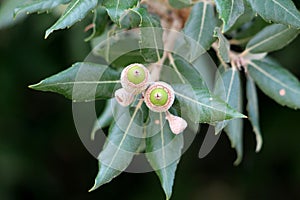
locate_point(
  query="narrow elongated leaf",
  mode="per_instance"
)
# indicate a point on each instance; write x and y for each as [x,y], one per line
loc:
[163,151]
[275,81]
[151,42]
[227,87]
[223,45]
[82,82]
[118,151]
[39,6]
[105,119]
[187,73]
[272,38]
[253,112]
[230,83]
[279,11]
[75,12]
[230,11]
[201,24]
[118,9]
[7,11]
[203,107]
[180,3]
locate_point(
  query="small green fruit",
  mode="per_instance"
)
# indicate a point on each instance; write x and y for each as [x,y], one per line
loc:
[135,78]
[159,97]
[136,74]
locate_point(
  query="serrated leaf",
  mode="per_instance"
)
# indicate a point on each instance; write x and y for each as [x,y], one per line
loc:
[118,150]
[228,87]
[163,151]
[7,11]
[106,117]
[275,81]
[82,82]
[203,107]
[180,3]
[75,12]
[201,24]
[230,11]
[279,11]
[223,45]
[272,38]
[253,111]
[39,6]
[117,9]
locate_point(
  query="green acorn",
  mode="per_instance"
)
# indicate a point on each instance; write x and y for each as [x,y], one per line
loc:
[135,78]
[159,97]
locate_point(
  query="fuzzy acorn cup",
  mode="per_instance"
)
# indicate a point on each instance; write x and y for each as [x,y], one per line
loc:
[135,78]
[159,96]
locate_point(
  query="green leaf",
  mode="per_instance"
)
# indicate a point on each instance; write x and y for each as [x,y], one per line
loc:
[186,73]
[223,45]
[75,12]
[100,21]
[246,17]
[228,86]
[201,24]
[151,42]
[279,11]
[249,29]
[203,107]
[275,81]
[230,11]
[253,112]
[118,48]
[39,6]
[163,151]
[7,11]
[272,38]
[118,9]
[106,117]
[118,150]
[180,3]
[82,82]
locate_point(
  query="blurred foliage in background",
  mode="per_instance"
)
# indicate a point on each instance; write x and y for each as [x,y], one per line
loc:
[41,156]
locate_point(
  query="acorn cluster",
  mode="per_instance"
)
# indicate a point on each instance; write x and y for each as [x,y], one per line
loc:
[158,96]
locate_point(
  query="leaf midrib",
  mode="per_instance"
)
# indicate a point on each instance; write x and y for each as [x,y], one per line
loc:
[267,40]
[273,78]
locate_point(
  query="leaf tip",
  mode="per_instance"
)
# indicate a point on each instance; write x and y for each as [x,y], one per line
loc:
[34,86]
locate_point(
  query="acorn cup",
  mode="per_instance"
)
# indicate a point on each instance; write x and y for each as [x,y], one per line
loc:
[177,124]
[135,78]
[123,97]
[159,97]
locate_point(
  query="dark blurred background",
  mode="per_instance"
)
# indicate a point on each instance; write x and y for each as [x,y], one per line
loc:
[42,157]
